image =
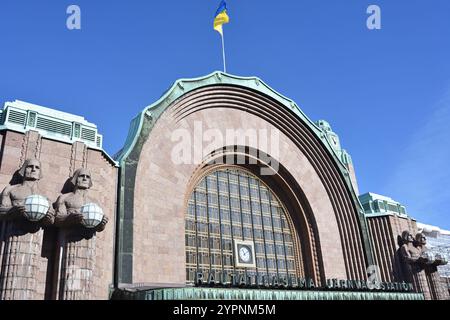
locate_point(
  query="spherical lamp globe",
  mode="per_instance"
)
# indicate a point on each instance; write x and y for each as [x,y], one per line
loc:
[36,207]
[93,215]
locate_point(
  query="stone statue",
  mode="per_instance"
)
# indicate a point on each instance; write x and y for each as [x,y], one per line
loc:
[68,205]
[21,240]
[76,242]
[429,263]
[13,197]
[413,261]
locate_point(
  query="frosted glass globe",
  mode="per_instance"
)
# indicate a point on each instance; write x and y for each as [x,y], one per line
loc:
[93,215]
[36,207]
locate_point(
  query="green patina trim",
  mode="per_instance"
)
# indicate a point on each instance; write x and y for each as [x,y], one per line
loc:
[140,127]
[256,294]
[183,86]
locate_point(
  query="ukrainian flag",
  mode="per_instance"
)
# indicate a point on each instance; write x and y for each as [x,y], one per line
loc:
[221,17]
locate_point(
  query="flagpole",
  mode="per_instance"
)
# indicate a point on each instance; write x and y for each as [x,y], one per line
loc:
[223,54]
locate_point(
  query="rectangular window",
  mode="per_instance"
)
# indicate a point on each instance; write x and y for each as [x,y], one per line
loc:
[223,186]
[200,197]
[257,220]
[290,264]
[265,208]
[258,233]
[224,201]
[246,218]
[280,250]
[237,231]
[235,203]
[212,199]
[191,257]
[271,264]
[202,227]
[201,212]
[226,229]
[234,189]
[227,245]
[211,183]
[264,194]
[227,260]
[267,221]
[278,236]
[244,191]
[190,225]
[259,248]
[213,213]
[214,228]
[191,210]
[254,194]
[261,263]
[376,207]
[214,243]
[248,234]
[245,205]
[190,240]
[289,251]
[224,215]
[236,217]
[268,235]
[270,249]
[287,237]
[276,222]
[281,264]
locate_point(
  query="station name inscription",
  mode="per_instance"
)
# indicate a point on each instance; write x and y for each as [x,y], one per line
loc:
[241,280]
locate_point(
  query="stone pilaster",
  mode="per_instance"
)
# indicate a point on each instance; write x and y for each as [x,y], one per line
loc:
[77,265]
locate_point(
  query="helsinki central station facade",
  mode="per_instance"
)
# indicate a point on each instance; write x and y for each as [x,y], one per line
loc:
[224,189]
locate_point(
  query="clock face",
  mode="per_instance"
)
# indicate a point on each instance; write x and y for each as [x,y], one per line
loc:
[245,254]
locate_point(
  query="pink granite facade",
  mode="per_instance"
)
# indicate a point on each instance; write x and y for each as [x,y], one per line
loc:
[157,183]
[58,162]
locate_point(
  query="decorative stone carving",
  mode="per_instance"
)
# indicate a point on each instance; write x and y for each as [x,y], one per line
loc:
[68,206]
[77,239]
[420,266]
[20,238]
[413,270]
[430,262]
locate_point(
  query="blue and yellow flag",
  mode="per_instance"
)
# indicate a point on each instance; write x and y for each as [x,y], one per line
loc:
[221,17]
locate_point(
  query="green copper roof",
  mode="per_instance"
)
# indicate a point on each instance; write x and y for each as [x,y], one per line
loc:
[183,86]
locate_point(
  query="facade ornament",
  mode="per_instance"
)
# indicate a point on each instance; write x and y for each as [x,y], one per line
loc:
[430,262]
[78,209]
[412,263]
[24,211]
[79,218]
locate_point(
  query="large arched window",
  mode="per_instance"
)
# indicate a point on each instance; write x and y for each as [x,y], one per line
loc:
[231,207]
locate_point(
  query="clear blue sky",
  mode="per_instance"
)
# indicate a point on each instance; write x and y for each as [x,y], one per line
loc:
[386,93]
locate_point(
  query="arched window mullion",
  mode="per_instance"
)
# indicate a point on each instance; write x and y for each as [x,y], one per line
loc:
[271,214]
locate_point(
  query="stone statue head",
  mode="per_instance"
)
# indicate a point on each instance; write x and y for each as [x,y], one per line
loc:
[31,170]
[421,239]
[82,179]
[407,237]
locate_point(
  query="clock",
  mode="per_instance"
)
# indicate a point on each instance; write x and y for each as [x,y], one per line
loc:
[244,254]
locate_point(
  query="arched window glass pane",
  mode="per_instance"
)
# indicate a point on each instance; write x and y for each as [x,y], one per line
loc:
[232,205]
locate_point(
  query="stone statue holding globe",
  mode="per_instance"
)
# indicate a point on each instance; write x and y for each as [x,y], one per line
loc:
[23,213]
[77,208]
[79,217]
